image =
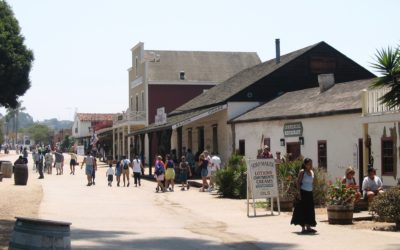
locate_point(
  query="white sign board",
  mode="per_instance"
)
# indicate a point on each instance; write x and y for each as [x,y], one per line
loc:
[262,181]
[161,116]
[80,150]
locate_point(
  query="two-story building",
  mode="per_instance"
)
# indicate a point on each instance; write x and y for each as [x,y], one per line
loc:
[162,80]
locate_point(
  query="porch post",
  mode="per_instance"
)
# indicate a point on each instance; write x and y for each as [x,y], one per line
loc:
[113,143]
[365,149]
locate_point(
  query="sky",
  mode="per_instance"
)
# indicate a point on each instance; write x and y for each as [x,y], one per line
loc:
[82,47]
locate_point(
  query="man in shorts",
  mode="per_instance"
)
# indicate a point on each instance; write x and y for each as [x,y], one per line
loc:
[126,164]
[59,163]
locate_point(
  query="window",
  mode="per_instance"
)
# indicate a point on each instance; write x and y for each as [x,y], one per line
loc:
[136,66]
[190,140]
[215,138]
[131,103]
[76,130]
[182,75]
[242,147]
[322,155]
[143,101]
[267,142]
[137,102]
[387,155]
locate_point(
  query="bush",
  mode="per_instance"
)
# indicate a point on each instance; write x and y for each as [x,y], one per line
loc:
[232,180]
[287,173]
[320,186]
[387,206]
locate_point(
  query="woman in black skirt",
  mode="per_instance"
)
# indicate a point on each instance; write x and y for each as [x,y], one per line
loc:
[304,213]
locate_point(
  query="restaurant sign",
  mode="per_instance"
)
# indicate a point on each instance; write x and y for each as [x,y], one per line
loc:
[293,129]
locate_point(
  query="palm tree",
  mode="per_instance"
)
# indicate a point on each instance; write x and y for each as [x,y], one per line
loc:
[13,113]
[387,63]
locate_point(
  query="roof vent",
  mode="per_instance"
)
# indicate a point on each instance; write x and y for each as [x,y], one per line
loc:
[182,75]
[326,81]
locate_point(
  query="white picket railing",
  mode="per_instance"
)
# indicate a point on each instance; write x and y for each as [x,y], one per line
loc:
[372,104]
[129,116]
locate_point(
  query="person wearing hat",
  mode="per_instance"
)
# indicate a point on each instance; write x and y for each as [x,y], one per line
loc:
[267,153]
[350,181]
[372,185]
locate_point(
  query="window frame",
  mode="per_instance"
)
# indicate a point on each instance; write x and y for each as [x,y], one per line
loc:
[384,140]
[320,142]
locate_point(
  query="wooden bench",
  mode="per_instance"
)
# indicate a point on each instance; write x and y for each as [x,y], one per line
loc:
[1,176]
[361,205]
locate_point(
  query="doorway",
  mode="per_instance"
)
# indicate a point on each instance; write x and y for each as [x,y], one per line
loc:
[293,150]
[200,139]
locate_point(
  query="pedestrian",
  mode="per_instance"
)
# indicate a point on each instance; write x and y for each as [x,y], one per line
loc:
[304,211]
[48,161]
[203,165]
[159,174]
[25,154]
[37,159]
[73,162]
[169,173]
[94,168]
[118,172]
[59,163]
[137,170]
[39,163]
[213,167]
[89,161]
[190,159]
[126,163]
[110,174]
[184,172]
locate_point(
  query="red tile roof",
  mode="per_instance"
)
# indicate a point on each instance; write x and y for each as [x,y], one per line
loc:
[95,117]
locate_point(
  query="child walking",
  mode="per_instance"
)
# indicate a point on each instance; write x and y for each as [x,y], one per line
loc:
[184,173]
[110,174]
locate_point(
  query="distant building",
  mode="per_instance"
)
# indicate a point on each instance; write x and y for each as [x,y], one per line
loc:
[160,81]
[85,126]
[60,135]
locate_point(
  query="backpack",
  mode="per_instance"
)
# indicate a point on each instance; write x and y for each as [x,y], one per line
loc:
[125,164]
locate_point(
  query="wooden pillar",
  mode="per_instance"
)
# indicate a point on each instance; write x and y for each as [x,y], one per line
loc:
[113,144]
[365,149]
[150,157]
[123,143]
[179,140]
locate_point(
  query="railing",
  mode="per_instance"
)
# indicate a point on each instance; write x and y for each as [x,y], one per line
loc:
[372,105]
[130,116]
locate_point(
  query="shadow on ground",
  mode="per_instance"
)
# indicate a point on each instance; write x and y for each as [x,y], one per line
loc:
[101,240]
[6,228]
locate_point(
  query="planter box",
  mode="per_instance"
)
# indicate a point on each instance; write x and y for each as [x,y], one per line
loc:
[339,214]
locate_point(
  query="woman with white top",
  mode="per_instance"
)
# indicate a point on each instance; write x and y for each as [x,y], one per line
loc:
[137,170]
[304,213]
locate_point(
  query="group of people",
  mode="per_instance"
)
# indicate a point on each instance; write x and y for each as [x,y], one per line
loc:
[165,172]
[44,160]
[304,213]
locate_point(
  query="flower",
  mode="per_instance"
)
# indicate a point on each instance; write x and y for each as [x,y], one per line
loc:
[340,194]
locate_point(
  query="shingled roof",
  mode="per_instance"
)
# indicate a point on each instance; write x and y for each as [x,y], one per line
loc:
[197,65]
[223,91]
[95,117]
[342,98]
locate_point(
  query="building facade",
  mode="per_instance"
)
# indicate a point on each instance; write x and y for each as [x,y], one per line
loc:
[160,81]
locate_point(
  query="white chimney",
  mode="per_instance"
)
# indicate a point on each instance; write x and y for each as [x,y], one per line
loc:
[326,81]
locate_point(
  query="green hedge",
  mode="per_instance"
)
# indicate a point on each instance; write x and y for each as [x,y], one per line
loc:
[232,180]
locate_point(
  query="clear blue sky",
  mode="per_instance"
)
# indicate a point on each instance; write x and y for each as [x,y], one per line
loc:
[82,47]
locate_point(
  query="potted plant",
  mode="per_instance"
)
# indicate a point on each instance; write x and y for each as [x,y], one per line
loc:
[340,199]
[287,173]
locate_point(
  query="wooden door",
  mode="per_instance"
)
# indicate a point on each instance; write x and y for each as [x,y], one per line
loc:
[293,150]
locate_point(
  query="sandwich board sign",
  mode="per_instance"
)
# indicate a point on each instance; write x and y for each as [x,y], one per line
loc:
[80,150]
[261,182]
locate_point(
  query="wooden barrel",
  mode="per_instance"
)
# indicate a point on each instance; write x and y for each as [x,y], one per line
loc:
[20,174]
[286,205]
[6,169]
[40,234]
[338,214]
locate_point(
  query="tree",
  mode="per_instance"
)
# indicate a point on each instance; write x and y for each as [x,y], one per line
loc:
[40,133]
[67,142]
[387,63]
[14,113]
[15,59]
[1,131]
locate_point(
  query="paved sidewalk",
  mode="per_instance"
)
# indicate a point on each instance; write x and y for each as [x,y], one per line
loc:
[138,218]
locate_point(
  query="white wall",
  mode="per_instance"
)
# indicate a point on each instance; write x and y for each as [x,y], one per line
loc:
[341,133]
